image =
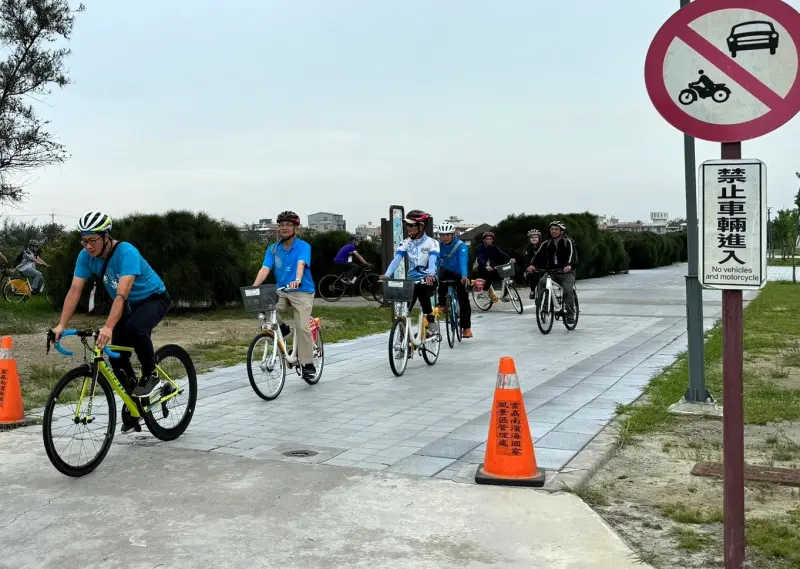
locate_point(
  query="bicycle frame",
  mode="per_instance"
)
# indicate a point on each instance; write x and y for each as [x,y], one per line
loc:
[271,325]
[100,365]
[552,287]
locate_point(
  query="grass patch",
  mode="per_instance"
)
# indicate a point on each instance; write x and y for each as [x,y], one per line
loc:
[592,496]
[771,332]
[38,382]
[776,538]
[26,317]
[689,514]
[690,539]
[338,324]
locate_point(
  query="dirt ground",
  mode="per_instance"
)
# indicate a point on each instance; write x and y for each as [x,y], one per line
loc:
[648,494]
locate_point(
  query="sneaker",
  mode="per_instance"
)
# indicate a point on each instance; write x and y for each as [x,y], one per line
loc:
[129,423]
[532,295]
[466,333]
[433,329]
[147,386]
[442,309]
[309,371]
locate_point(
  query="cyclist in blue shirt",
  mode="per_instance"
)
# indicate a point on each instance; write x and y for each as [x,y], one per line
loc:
[422,252]
[453,259]
[290,260]
[140,301]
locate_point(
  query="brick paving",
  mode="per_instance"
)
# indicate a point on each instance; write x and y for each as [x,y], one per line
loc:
[433,421]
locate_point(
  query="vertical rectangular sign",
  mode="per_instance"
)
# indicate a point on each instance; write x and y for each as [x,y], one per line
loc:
[396,213]
[733,224]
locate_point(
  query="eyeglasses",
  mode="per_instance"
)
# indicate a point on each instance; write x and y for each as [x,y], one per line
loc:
[93,241]
[286,225]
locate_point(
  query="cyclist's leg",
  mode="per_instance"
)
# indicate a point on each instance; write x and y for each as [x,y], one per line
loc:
[567,282]
[122,365]
[145,316]
[422,293]
[302,304]
[464,310]
[533,281]
[35,276]
[540,287]
[444,274]
[353,270]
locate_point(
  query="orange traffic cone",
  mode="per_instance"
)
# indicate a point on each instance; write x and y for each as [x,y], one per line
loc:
[11,409]
[510,459]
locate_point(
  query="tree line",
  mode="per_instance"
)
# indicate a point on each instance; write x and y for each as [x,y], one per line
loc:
[203,261]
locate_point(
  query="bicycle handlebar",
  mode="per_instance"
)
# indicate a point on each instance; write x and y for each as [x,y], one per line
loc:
[51,338]
[554,271]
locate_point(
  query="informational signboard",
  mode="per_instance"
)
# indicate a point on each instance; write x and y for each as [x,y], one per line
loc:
[726,71]
[733,224]
[396,215]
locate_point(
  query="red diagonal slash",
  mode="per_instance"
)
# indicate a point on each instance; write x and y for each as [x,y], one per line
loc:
[729,67]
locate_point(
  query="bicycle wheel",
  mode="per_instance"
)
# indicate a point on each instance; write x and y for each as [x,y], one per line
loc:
[514,294]
[183,375]
[16,291]
[577,312]
[275,376]
[377,289]
[398,347]
[545,316]
[367,286]
[482,299]
[319,359]
[451,323]
[64,394]
[331,288]
[431,347]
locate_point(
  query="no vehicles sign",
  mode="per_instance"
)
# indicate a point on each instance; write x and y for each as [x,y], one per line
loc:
[726,71]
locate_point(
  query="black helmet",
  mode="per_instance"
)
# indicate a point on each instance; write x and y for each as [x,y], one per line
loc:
[417,216]
[289,216]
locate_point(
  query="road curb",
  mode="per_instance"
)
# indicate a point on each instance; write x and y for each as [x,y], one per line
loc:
[579,471]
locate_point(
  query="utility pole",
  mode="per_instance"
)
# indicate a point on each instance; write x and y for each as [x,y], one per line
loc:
[769,234]
[52,217]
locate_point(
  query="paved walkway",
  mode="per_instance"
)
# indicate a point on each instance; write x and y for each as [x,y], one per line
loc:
[433,421]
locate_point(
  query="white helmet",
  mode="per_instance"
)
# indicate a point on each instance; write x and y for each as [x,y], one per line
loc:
[94,222]
[446,227]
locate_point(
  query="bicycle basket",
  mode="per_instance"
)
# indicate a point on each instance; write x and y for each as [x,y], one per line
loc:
[398,290]
[506,270]
[259,298]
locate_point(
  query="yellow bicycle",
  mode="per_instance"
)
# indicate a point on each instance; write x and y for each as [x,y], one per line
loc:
[96,378]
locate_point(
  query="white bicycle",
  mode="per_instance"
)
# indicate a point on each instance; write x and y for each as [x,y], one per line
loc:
[483,298]
[275,357]
[550,304]
[402,341]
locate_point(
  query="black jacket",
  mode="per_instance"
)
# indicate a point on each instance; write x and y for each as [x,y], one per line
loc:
[552,255]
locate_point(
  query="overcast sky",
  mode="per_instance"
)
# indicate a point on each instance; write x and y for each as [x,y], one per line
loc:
[475,108]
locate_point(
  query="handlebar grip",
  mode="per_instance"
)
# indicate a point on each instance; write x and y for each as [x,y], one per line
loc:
[110,353]
[58,347]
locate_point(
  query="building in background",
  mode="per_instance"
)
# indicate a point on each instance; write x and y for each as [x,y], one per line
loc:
[659,223]
[264,231]
[460,225]
[369,230]
[325,221]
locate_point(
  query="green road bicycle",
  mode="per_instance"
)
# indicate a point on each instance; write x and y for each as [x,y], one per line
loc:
[95,378]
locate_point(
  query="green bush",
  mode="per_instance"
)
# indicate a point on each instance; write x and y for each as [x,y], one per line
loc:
[600,252]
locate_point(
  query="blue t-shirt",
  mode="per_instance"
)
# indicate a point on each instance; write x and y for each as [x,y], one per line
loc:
[283,264]
[126,261]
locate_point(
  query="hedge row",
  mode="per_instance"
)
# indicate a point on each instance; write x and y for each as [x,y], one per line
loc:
[204,261]
[600,252]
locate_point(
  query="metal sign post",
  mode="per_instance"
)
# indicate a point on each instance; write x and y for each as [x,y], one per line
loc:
[728,72]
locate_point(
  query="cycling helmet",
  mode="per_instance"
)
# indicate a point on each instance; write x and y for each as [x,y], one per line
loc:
[534,232]
[289,216]
[34,245]
[487,234]
[416,216]
[559,224]
[446,227]
[94,222]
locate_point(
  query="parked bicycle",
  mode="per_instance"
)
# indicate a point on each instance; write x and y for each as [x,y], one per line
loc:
[453,323]
[403,342]
[95,377]
[483,298]
[332,286]
[20,289]
[550,304]
[267,355]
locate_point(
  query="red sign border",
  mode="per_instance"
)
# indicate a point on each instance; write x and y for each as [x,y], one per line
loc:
[669,108]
